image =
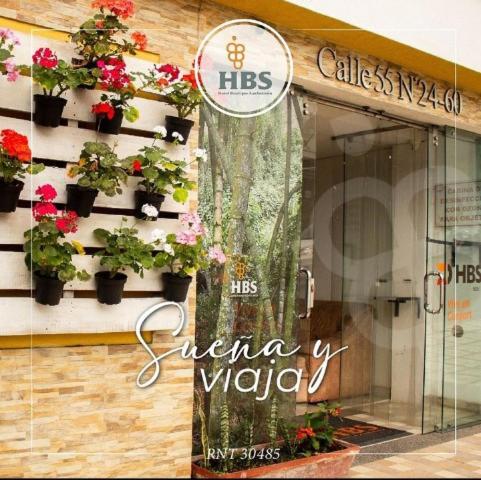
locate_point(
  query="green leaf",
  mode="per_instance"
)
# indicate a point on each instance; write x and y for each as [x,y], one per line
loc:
[180,195]
[131,114]
[4,54]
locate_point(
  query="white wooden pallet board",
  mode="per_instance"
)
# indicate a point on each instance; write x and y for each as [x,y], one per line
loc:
[65,143]
[58,178]
[23,316]
[18,96]
[14,264]
[13,225]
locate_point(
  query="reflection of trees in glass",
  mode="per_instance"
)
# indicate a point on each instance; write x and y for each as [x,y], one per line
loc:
[249,197]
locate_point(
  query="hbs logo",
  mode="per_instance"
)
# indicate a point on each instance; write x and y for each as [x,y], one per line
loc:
[241,285]
[242,79]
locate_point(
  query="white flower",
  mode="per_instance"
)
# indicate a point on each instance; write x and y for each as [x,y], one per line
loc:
[167,91]
[168,249]
[162,131]
[178,136]
[158,235]
[149,210]
[200,154]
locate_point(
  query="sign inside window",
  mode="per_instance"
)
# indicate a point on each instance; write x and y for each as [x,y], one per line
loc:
[388,81]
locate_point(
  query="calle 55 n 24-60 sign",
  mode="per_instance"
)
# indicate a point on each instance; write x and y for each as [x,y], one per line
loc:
[388,81]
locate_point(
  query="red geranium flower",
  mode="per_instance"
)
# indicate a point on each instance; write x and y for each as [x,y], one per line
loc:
[104,108]
[169,71]
[16,145]
[121,8]
[137,166]
[44,209]
[47,192]
[113,74]
[191,79]
[67,223]
[140,39]
[99,24]
[304,432]
[45,58]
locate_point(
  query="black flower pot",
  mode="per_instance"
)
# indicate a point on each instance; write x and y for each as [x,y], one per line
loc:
[175,287]
[9,194]
[176,124]
[142,197]
[48,110]
[48,290]
[81,199]
[104,125]
[110,290]
[80,62]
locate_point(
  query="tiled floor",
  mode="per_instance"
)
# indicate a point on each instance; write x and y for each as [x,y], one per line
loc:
[462,461]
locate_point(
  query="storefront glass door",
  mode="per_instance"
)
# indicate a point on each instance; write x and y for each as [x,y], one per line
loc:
[452,377]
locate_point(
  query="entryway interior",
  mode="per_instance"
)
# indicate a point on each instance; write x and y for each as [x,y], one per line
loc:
[364,239]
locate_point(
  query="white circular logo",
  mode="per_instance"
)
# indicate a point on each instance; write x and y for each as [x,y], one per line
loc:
[243,68]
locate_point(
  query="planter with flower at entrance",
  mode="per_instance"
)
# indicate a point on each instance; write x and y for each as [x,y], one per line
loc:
[309,451]
[123,250]
[15,163]
[98,169]
[97,38]
[184,253]
[114,106]
[180,91]
[55,77]
[160,176]
[48,255]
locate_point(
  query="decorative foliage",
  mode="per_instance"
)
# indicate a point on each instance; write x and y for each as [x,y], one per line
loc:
[15,157]
[160,174]
[8,41]
[55,75]
[96,38]
[99,168]
[46,252]
[124,249]
[179,90]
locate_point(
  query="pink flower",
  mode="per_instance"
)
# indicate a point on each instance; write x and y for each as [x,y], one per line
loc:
[215,253]
[44,209]
[193,221]
[47,192]
[113,74]
[45,58]
[8,34]
[11,69]
[186,237]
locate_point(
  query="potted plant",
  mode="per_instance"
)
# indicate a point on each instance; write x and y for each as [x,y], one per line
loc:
[306,451]
[180,91]
[113,107]
[8,41]
[123,250]
[160,176]
[15,162]
[184,253]
[99,169]
[55,77]
[97,37]
[48,256]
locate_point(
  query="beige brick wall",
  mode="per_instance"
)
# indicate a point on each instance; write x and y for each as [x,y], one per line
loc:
[76,411]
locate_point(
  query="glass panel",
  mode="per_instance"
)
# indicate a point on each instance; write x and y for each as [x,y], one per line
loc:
[249,198]
[384,251]
[462,376]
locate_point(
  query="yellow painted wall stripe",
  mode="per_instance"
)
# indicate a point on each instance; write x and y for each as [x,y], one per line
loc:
[285,14]
[71,340]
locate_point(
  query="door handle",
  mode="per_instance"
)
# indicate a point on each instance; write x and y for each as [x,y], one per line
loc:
[309,292]
[427,306]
